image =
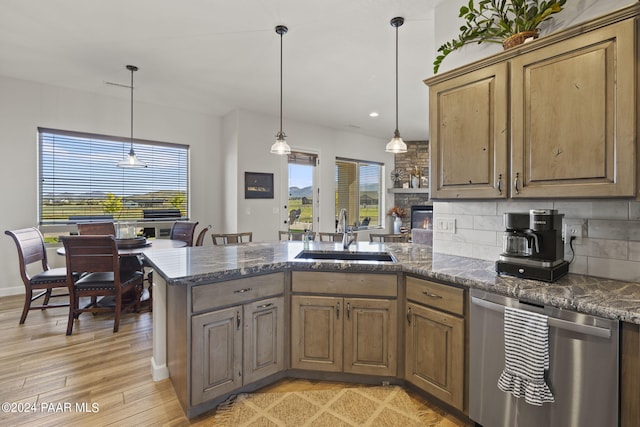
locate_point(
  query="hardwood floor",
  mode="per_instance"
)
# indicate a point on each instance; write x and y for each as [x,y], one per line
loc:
[99,378]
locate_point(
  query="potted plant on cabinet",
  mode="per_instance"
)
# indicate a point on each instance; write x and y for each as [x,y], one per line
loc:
[509,22]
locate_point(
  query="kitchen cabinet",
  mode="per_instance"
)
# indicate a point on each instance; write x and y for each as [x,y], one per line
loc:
[333,332]
[435,340]
[219,337]
[234,332]
[469,135]
[563,108]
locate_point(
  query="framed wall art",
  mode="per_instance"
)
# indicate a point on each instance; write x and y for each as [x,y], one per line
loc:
[258,185]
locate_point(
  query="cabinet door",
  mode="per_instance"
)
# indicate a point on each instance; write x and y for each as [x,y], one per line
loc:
[370,336]
[469,134]
[263,339]
[434,358]
[216,354]
[316,333]
[573,116]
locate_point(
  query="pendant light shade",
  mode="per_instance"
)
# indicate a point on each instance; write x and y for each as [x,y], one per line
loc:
[281,146]
[131,161]
[396,145]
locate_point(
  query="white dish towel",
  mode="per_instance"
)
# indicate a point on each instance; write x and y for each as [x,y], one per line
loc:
[526,356]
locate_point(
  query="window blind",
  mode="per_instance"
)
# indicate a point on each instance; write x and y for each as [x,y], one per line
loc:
[358,190]
[80,180]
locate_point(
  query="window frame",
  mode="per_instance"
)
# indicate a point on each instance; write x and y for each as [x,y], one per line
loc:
[358,163]
[139,145]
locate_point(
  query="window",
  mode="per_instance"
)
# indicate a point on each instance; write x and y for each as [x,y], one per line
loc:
[79,179]
[301,190]
[358,186]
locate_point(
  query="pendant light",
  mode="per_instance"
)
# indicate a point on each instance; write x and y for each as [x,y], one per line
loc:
[131,161]
[281,146]
[396,145]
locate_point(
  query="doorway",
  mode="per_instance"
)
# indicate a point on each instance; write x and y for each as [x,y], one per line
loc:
[303,200]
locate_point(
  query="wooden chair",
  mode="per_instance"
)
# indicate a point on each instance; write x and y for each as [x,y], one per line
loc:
[97,258]
[31,249]
[293,235]
[232,238]
[183,231]
[201,235]
[398,238]
[96,228]
[334,237]
[127,262]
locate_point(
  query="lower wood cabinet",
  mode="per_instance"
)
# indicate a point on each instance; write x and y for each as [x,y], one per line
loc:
[434,340]
[344,322]
[352,335]
[236,346]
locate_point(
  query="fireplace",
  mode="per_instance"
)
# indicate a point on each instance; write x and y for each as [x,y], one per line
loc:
[422,217]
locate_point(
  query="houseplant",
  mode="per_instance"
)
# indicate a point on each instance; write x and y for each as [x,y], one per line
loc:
[508,22]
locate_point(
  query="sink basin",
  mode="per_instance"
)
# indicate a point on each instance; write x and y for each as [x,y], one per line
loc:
[347,256]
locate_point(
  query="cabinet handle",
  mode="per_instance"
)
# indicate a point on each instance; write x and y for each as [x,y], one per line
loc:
[348,310]
[430,295]
[242,291]
[265,305]
[409,315]
[515,183]
[238,320]
[338,311]
[500,184]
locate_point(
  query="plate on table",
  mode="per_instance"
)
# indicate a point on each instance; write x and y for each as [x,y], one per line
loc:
[133,242]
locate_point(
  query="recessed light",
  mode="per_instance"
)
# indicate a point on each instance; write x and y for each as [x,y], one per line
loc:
[373,114]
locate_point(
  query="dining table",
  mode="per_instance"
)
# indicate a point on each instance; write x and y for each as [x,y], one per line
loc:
[138,250]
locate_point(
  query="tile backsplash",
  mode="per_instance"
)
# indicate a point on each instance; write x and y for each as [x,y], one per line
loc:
[610,245]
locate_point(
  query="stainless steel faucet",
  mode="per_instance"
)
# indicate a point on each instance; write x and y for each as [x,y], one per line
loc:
[343,224]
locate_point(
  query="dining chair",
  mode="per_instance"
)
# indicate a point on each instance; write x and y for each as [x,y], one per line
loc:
[232,238]
[184,231]
[127,262]
[334,237]
[93,270]
[398,238]
[96,228]
[201,235]
[294,235]
[31,249]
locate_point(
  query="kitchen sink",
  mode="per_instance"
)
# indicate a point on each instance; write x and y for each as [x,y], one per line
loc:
[347,256]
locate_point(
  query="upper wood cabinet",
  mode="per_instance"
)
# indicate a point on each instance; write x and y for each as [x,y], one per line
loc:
[573,116]
[554,118]
[468,122]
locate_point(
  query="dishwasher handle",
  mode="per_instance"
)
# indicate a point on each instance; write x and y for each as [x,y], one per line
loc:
[595,331]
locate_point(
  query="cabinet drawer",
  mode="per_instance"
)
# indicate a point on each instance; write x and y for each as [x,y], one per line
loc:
[381,285]
[436,295]
[214,295]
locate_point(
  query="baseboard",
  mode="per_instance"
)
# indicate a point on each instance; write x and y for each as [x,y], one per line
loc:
[159,372]
[14,290]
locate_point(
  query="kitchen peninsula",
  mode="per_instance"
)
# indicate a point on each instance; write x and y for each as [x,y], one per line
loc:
[191,284]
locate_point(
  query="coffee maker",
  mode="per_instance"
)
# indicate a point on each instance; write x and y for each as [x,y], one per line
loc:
[532,245]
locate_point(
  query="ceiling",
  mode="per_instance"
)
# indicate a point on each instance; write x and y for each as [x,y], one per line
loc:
[213,56]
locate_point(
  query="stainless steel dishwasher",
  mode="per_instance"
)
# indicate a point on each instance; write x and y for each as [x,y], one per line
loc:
[582,375]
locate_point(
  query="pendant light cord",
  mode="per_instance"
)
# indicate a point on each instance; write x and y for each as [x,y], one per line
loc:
[132,70]
[281,34]
[397,80]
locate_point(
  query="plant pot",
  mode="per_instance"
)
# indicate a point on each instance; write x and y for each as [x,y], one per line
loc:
[518,38]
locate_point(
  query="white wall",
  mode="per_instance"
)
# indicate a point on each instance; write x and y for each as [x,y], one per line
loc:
[24,106]
[221,150]
[255,134]
[447,23]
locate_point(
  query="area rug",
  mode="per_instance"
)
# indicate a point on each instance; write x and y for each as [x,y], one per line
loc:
[362,406]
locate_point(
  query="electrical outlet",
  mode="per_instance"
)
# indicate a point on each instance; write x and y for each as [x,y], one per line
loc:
[446,225]
[573,228]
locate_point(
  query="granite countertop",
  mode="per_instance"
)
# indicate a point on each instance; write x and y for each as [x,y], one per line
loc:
[194,266]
